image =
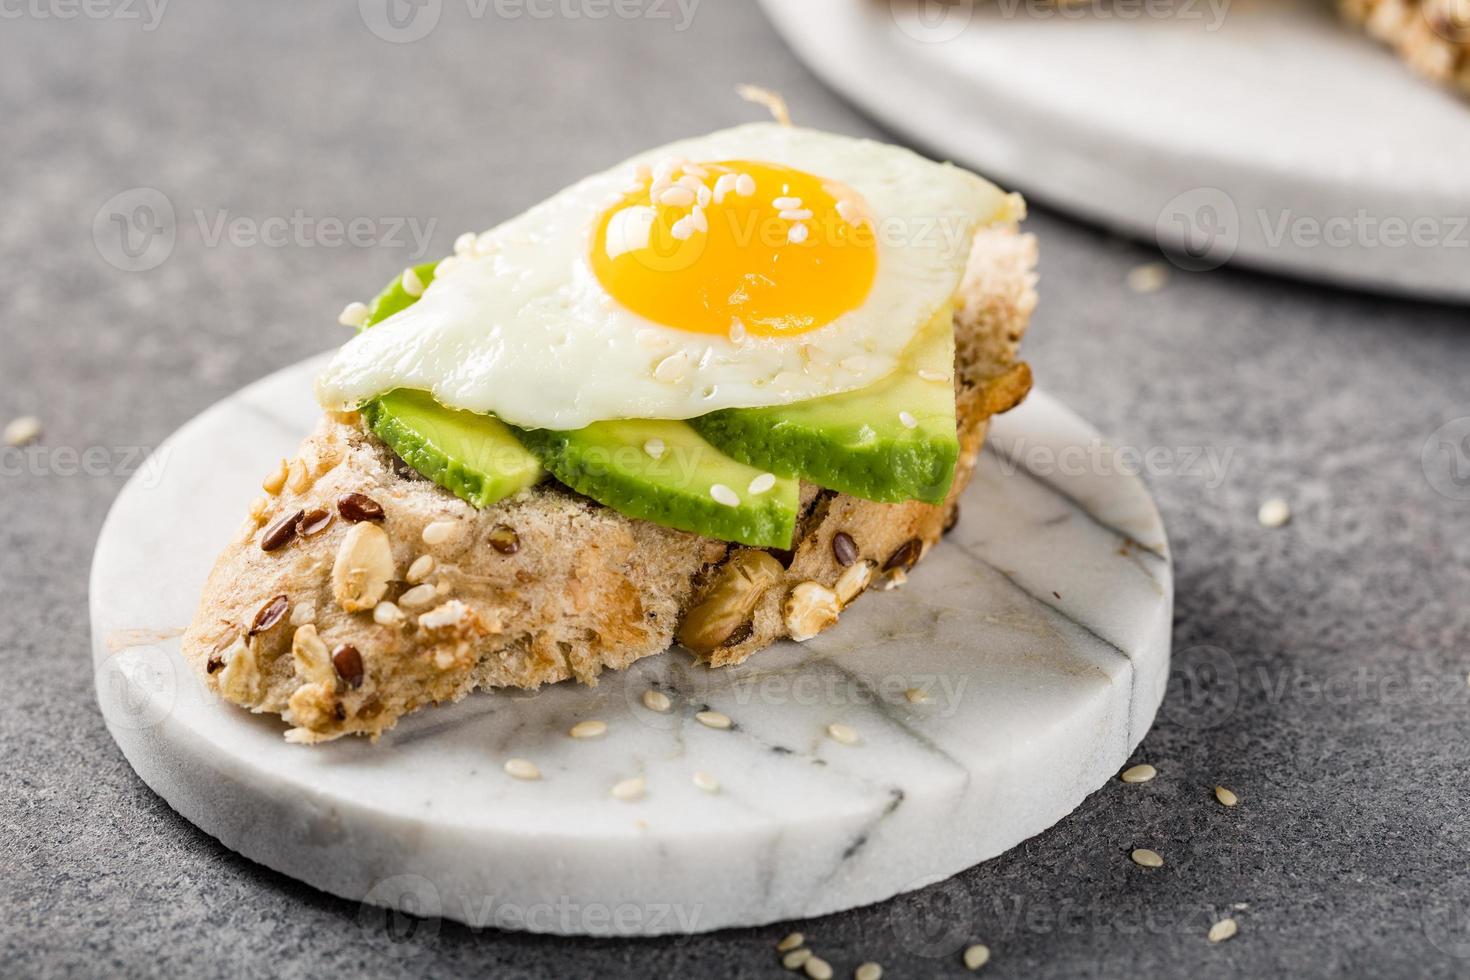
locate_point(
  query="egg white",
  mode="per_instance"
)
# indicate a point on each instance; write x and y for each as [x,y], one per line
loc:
[519,326]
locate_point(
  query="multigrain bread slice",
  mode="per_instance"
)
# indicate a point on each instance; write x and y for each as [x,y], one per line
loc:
[347,625]
[1433,36]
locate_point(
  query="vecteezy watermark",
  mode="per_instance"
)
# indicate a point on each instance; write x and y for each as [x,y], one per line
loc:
[1446,921]
[406,21]
[96,462]
[940,21]
[838,689]
[401,915]
[135,230]
[1445,458]
[1202,229]
[1450,19]
[1199,230]
[1204,686]
[147,13]
[1098,458]
[138,229]
[302,230]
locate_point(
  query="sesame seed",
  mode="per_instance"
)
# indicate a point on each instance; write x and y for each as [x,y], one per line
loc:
[724,184]
[412,284]
[422,568]
[1223,930]
[928,375]
[419,595]
[656,701]
[1144,857]
[1274,512]
[791,942]
[795,959]
[868,971]
[671,368]
[683,229]
[522,769]
[695,170]
[745,185]
[818,968]
[465,243]
[1148,278]
[1225,796]
[724,495]
[387,614]
[713,719]
[917,695]
[697,219]
[797,234]
[1141,773]
[845,734]
[438,532]
[796,214]
[908,420]
[709,784]
[23,430]
[762,483]
[353,315]
[630,789]
[676,197]
[976,956]
[786,203]
[654,447]
[690,182]
[589,729]
[737,331]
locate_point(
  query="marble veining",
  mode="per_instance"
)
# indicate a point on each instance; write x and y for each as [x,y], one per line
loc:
[1039,634]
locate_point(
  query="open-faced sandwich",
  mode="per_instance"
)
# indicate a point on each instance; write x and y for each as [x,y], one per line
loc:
[707,397]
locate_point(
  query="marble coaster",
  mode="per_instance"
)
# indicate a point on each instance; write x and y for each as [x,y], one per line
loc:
[1011,676]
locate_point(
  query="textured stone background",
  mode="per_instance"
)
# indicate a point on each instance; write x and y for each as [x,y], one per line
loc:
[1321,667]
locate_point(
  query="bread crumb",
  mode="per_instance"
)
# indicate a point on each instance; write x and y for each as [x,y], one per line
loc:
[23,430]
[1149,277]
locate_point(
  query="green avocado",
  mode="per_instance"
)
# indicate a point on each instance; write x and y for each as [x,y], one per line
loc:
[666,473]
[394,297]
[475,457]
[891,441]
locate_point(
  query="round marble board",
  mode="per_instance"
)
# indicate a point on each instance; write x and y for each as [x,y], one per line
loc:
[1038,632]
[1268,133]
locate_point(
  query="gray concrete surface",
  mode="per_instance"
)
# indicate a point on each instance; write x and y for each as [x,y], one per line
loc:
[1321,666]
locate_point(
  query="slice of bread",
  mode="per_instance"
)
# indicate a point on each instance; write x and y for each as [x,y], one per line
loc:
[1433,36]
[347,629]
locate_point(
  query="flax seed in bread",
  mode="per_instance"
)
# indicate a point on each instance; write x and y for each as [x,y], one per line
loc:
[369,607]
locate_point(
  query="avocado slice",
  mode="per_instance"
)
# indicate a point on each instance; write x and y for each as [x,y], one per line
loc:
[666,473]
[891,441]
[475,457]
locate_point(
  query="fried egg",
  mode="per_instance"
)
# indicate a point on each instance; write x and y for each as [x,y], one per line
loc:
[755,266]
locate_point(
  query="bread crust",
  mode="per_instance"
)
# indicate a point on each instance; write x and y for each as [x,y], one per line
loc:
[1433,36]
[546,586]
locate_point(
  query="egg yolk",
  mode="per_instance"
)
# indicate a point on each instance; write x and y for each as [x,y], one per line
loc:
[736,248]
